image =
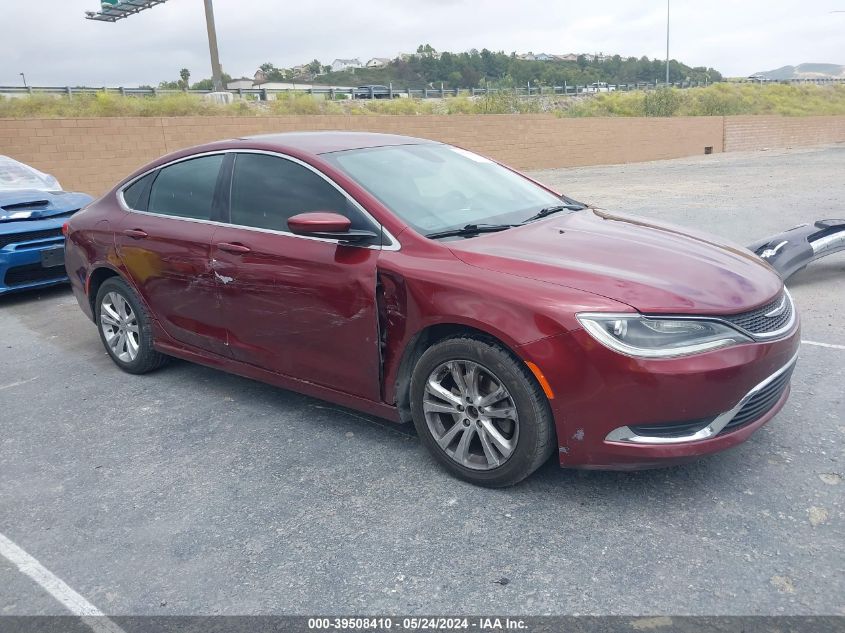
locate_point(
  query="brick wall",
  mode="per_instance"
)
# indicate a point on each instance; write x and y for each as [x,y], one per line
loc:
[748,133]
[92,154]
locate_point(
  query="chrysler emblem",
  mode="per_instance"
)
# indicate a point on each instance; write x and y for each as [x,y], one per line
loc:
[778,310]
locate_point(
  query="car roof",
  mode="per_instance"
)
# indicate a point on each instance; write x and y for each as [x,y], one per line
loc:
[330,141]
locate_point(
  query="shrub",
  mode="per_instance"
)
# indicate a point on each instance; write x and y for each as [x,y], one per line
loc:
[716,100]
[393,106]
[663,102]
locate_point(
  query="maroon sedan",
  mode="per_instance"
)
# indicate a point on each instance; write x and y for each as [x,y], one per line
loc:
[421,282]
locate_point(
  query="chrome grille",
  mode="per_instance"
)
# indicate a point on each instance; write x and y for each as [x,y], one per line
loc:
[756,322]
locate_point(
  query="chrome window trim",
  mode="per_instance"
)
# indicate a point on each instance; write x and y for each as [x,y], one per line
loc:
[394,243]
[626,435]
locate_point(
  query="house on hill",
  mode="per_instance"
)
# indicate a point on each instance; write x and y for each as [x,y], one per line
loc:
[539,57]
[339,65]
[377,62]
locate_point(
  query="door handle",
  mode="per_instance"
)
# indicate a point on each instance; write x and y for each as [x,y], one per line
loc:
[236,248]
[135,234]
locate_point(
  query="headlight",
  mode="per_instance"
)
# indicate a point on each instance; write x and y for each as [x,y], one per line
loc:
[646,337]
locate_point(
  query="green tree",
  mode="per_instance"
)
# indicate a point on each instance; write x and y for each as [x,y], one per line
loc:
[208,84]
[184,79]
[271,73]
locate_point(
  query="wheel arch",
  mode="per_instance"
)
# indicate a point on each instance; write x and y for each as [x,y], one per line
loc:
[424,339]
[96,278]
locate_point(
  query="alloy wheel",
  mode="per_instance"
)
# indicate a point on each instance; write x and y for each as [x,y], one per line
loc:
[120,327]
[471,414]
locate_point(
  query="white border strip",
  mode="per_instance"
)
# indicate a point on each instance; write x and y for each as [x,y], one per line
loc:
[827,345]
[56,587]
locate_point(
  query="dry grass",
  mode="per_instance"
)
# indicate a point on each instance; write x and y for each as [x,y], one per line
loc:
[718,99]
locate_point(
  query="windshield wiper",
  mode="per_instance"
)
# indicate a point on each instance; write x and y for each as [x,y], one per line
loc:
[542,213]
[471,229]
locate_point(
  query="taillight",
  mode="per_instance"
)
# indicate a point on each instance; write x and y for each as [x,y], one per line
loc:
[64,229]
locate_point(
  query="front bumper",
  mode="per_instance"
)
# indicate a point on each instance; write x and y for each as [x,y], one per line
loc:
[605,404]
[22,267]
[754,405]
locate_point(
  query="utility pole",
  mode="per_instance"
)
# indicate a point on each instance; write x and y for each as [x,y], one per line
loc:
[667,41]
[24,79]
[216,73]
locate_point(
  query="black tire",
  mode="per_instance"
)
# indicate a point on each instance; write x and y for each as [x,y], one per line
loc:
[147,358]
[536,435]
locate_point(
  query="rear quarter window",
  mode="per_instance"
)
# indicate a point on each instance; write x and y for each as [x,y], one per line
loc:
[137,194]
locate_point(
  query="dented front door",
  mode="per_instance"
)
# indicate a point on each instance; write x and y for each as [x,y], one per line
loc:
[302,307]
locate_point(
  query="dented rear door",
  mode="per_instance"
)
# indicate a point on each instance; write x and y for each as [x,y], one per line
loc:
[164,243]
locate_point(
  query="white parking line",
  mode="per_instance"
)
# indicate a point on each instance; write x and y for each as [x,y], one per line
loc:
[828,345]
[18,383]
[95,619]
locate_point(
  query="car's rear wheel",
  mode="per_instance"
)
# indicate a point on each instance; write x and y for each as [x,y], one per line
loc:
[124,327]
[480,412]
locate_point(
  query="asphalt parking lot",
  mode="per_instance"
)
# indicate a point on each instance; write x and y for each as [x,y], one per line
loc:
[190,491]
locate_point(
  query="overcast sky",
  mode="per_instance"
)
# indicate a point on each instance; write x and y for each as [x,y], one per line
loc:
[53,44]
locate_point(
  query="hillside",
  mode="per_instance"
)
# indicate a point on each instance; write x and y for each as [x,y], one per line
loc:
[477,69]
[804,71]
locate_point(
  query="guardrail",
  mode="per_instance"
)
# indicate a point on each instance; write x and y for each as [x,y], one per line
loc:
[353,93]
[390,92]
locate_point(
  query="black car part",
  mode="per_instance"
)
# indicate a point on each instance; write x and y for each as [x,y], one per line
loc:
[792,250]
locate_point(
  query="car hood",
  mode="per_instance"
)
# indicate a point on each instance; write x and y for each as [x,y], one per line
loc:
[30,204]
[652,267]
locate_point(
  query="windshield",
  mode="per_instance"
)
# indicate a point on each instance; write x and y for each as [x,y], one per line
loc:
[437,188]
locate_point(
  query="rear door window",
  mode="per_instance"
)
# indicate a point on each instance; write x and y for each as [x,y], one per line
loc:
[186,189]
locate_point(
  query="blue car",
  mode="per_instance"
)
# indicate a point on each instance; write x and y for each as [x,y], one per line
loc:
[33,209]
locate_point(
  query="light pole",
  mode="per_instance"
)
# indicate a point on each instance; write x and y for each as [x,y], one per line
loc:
[667,41]
[216,72]
[24,79]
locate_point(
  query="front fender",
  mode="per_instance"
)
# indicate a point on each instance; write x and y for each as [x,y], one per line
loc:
[414,296]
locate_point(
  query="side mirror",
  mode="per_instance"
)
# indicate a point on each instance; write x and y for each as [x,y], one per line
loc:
[328,225]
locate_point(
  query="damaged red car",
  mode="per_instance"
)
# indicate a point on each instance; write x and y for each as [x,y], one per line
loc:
[423,283]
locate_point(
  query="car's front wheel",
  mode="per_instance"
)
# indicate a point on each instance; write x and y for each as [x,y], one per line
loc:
[480,412]
[125,329]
